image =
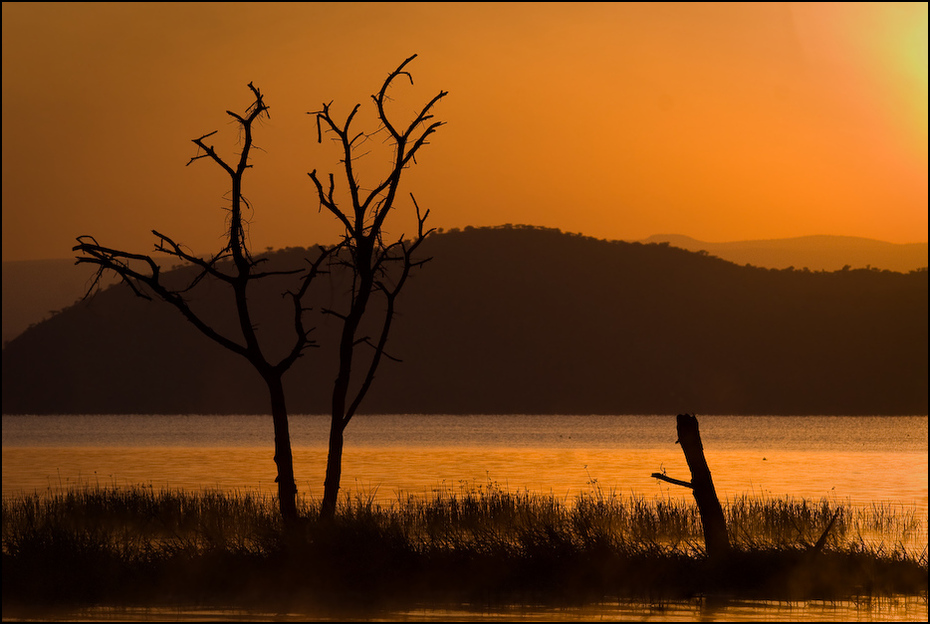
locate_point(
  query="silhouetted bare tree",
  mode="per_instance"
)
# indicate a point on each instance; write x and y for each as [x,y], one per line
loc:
[378,267]
[144,276]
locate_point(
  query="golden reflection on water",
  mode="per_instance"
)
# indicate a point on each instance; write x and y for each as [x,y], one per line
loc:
[385,473]
[708,609]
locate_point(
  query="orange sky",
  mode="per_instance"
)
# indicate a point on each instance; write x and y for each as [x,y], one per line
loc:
[721,121]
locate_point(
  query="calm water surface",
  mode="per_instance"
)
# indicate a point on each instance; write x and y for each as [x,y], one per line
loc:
[851,460]
[898,609]
[847,459]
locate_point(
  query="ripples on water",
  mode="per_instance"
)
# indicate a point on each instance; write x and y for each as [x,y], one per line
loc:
[846,459]
[849,460]
[882,433]
[853,461]
[699,610]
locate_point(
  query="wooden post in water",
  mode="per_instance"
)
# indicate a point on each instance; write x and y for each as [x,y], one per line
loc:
[716,540]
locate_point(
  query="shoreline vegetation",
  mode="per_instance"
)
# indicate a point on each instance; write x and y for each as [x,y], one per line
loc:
[93,546]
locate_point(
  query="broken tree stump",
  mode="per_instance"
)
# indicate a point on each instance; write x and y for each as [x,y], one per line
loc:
[716,539]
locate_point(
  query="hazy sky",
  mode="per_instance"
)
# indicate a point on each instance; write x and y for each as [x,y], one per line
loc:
[722,121]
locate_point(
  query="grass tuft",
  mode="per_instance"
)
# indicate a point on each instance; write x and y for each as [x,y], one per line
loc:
[99,545]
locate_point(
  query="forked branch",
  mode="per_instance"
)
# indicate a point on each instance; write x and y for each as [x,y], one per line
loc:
[147,282]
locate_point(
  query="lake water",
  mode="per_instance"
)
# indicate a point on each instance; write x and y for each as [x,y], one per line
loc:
[852,460]
[855,459]
[898,609]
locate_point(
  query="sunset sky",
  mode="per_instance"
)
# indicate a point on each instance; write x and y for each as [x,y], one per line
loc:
[721,121]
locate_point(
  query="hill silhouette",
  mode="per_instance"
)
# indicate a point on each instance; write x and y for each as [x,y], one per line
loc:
[35,289]
[817,253]
[522,320]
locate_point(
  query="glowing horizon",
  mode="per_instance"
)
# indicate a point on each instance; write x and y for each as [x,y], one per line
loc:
[718,121]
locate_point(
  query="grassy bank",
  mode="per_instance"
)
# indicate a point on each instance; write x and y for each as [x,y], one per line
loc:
[140,546]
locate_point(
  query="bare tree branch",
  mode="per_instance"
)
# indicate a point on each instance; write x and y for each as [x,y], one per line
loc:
[377,268]
[147,283]
[112,259]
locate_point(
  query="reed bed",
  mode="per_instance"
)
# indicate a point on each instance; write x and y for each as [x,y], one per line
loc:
[100,545]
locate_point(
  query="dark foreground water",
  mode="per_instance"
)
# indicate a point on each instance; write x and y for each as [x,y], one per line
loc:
[901,609]
[858,461]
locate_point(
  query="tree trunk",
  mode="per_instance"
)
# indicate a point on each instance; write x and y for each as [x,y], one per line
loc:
[716,539]
[333,471]
[347,342]
[287,487]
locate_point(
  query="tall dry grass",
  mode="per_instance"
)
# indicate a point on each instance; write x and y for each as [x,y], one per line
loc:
[138,545]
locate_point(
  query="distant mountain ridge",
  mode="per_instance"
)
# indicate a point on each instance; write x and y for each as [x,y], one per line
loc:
[520,320]
[32,289]
[817,253]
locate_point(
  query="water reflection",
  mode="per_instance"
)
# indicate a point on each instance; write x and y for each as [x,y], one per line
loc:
[847,460]
[384,473]
[855,461]
[706,609]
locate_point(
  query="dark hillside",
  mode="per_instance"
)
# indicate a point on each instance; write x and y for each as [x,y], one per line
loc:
[526,320]
[34,289]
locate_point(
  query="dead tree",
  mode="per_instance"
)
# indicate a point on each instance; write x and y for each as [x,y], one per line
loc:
[378,266]
[716,539]
[235,267]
